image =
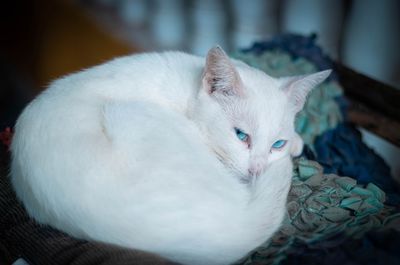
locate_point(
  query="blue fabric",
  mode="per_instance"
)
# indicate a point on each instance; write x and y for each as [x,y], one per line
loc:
[341,151]
[297,46]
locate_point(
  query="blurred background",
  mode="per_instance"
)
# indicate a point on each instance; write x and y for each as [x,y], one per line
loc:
[45,39]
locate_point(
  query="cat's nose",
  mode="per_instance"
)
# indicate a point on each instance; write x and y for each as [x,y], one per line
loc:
[256,168]
[254,172]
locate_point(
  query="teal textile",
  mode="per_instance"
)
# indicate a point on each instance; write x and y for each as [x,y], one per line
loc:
[322,206]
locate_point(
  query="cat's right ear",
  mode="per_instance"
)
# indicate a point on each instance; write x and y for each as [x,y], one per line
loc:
[220,75]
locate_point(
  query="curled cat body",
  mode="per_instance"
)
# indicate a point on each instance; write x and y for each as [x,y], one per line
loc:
[182,156]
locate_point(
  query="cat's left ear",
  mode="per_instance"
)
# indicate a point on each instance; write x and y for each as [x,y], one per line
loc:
[298,87]
[220,76]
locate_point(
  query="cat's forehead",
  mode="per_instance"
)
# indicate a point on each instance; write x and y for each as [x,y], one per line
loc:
[261,111]
[262,89]
[265,105]
[258,82]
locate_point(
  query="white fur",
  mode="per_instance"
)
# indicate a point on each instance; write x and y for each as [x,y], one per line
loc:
[139,153]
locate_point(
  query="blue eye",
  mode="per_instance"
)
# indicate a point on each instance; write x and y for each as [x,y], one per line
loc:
[279,144]
[244,137]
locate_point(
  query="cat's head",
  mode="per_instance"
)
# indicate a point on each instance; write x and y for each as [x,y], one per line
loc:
[246,116]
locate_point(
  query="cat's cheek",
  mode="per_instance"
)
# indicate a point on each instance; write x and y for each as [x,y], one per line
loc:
[239,156]
[296,147]
[275,155]
[278,155]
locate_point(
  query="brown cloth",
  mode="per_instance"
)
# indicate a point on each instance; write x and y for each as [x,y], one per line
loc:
[22,237]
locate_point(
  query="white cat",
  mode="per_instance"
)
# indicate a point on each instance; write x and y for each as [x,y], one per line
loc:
[164,152]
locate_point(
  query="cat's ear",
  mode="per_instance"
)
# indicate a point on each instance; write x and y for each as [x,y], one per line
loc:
[220,75]
[298,87]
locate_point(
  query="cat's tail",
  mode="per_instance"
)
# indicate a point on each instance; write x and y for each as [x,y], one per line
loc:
[267,206]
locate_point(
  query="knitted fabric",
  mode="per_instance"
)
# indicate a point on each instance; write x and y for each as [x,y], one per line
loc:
[323,212]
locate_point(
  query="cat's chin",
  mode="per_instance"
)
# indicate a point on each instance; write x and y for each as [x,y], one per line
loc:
[247,179]
[243,178]
[240,176]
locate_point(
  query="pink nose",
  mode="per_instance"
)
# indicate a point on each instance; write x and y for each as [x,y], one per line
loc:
[254,172]
[256,167]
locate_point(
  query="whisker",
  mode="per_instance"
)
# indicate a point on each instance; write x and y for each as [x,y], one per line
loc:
[230,165]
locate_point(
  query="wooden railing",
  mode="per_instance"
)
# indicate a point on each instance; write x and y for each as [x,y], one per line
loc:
[373,105]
